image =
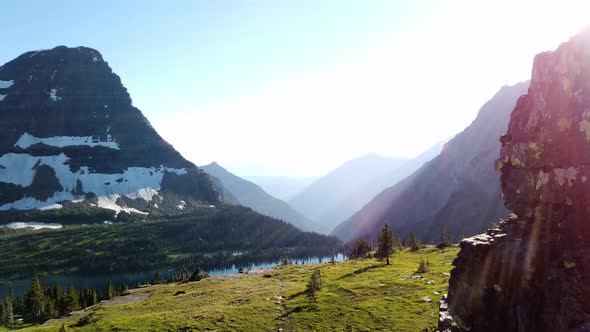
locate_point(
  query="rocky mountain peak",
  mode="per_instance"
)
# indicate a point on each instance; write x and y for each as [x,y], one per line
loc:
[530,272]
[69,134]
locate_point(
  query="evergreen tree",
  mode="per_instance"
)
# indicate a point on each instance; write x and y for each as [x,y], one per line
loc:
[58,298]
[385,247]
[423,266]
[198,274]
[110,290]
[400,243]
[8,310]
[157,278]
[414,245]
[94,297]
[360,248]
[35,302]
[443,238]
[71,300]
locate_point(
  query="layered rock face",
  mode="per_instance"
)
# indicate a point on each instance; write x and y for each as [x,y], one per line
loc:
[69,134]
[532,272]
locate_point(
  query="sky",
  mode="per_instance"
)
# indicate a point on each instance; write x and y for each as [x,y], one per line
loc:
[296,88]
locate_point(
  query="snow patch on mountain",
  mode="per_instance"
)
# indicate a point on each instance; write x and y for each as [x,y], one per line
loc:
[134,182]
[53,95]
[26,140]
[33,225]
[52,207]
[110,202]
[146,194]
[30,203]
[6,84]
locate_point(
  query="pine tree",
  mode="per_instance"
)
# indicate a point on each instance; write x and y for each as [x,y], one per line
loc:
[198,274]
[360,248]
[71,300]
[94,297]
[8,310]
[110,290]
[157,278]
[414,245]
[443,238]
[400,243]
[385,247]
[423,266]
[36,300]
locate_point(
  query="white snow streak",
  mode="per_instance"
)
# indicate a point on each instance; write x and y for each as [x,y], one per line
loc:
[134,182]
[27,140]
[53,95]
[33,225]
[6,84]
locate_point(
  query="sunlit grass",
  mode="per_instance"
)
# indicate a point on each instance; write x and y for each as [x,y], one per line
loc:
[356,295]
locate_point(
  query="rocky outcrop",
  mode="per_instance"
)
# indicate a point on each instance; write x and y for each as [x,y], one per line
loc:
[69,133]
[532,271]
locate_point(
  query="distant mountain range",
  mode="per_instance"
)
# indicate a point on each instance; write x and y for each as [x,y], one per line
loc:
[459,189]
[251,195]
[282,187]
[335,196]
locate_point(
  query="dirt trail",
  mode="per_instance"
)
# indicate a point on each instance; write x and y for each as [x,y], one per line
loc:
[286,320]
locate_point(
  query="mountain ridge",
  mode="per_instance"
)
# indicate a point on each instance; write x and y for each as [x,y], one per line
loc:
[253,196]
[429,198]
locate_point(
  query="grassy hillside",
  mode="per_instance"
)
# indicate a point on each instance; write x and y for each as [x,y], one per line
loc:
[356,296]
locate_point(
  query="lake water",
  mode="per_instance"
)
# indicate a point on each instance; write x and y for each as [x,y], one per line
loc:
[20,286]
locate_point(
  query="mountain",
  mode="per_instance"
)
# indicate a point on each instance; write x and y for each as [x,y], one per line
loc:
[530,272]
[70,138]
[282,187]
[254,197]
[459,189]
[335,196]
[367,192]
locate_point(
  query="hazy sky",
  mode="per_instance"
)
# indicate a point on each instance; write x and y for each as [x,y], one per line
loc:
[298,87]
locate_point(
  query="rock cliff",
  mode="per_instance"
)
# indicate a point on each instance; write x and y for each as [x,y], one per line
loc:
[532,271]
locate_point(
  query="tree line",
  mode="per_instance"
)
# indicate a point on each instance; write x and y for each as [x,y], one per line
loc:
[42,302]
[387,243]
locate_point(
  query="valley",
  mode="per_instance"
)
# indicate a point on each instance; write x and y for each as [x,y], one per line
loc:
[140,248]
[394,167]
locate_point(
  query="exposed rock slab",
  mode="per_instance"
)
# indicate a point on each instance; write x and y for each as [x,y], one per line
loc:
[532,272]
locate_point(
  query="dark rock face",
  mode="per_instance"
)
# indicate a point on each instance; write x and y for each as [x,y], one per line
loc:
[458,189]
[69,131]
[532,272]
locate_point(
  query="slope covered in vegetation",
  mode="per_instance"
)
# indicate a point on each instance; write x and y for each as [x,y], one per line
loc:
[354,295]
